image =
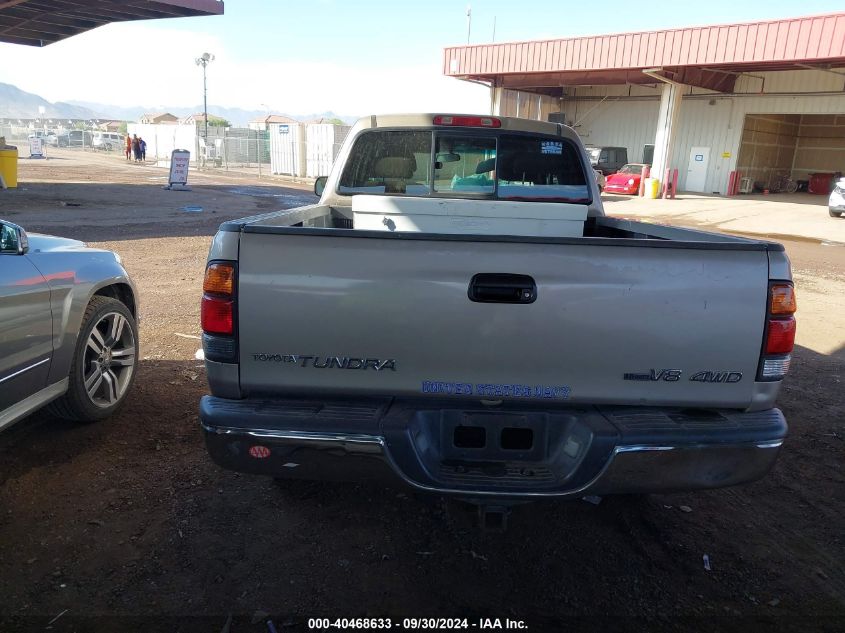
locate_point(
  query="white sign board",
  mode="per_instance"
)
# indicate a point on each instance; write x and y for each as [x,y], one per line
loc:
[179,161]
[36,147]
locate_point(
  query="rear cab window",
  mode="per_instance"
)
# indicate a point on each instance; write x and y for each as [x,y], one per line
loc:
[465,164]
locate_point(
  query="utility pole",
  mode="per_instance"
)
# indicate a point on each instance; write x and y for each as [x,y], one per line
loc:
[469,21]
[204,60]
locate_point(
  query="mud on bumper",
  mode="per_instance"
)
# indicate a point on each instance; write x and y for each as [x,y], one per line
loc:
[503,453]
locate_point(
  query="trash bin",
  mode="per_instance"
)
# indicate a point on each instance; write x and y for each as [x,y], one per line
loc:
[652,188]
[821,184]
[9,165]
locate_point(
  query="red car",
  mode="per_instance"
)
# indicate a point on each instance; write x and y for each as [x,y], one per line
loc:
[626,180]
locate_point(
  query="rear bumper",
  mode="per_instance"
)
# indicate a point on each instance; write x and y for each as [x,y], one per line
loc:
[575,452]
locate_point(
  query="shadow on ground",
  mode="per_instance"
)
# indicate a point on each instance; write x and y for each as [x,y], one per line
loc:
[129,517]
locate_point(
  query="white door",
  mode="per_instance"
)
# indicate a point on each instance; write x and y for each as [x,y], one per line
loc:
[699,157]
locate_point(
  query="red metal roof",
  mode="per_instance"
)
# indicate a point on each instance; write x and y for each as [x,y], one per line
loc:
[620,58]
[42,22]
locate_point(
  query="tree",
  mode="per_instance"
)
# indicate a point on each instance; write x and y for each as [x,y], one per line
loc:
[216,121]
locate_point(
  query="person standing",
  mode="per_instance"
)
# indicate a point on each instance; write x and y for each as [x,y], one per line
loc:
[142,145]
[136,148]
[128,147]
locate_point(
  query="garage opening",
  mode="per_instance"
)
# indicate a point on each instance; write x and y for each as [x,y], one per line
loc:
[788,153]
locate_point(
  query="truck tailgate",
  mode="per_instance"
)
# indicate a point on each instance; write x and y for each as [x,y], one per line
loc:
[350,313]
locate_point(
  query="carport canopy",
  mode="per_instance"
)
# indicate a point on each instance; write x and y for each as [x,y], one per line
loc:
[709,57]
[43,22]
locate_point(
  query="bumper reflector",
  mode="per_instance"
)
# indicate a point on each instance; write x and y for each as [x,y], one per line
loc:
[218,348]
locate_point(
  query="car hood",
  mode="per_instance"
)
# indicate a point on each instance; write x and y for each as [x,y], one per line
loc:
[621,179]
[40,243]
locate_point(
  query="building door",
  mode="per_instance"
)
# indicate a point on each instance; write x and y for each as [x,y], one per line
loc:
[699,157]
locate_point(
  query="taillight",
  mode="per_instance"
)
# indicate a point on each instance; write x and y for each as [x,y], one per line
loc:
[780,332]
[219,279]
[467,121]
[781,336]
[782,299]
[217,313]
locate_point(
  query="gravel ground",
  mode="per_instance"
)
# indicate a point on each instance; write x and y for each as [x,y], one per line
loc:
[126,524]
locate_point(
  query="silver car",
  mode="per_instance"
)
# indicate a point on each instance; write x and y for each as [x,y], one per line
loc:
[68,328]
[836,202]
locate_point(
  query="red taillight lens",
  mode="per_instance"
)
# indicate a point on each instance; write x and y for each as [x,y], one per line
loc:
[467,121]
[216,315]
[781,336]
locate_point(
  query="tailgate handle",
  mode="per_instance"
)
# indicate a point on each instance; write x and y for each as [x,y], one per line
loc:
[502,288]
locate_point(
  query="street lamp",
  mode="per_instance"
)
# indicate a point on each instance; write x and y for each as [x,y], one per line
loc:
[204,61]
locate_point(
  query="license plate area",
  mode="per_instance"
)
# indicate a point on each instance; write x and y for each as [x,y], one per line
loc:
[507,437]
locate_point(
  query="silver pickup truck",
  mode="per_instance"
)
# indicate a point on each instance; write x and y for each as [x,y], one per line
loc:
[495,367]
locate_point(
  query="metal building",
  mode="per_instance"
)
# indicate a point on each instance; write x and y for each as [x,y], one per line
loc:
[764,99]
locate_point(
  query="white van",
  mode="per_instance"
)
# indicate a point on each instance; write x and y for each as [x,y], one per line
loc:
[108,140]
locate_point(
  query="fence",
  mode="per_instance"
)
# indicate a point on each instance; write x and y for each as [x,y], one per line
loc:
[304,150]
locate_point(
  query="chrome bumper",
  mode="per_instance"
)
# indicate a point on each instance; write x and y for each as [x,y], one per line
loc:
[401,452]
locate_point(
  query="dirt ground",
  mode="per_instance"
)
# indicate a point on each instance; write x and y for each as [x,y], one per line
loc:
[126,525]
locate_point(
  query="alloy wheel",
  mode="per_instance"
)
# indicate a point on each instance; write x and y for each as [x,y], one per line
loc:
[109,360]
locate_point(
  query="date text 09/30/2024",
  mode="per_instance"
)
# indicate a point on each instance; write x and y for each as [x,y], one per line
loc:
[416,624]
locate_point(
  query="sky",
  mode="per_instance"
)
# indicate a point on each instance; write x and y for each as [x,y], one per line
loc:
[353,58]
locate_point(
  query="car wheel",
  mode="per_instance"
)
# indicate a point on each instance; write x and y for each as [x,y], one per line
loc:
[834,214]
[104,362]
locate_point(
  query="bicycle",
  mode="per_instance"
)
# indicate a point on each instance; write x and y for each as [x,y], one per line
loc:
[784,184]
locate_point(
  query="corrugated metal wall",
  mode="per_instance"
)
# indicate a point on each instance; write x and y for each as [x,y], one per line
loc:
[628,116]
[807,38]
[629,123]
[287,149]
[323,140]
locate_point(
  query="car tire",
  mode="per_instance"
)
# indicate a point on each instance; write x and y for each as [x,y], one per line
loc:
[834,214]
[104,363]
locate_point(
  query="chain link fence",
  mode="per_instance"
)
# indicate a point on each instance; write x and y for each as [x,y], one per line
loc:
[297,150]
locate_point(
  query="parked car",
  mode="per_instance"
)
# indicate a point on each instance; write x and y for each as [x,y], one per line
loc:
[75,138]
[836,202]
[107,141]
[68,328]
[480,332]
[626,180]
[608,160]
[38,134]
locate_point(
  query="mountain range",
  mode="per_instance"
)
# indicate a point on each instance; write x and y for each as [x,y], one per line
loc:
[18,104]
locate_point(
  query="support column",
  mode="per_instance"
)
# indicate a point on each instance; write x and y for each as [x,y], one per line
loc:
[668,121]
[496,100]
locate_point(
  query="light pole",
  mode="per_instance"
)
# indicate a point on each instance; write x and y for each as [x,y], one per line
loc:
[204,61]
